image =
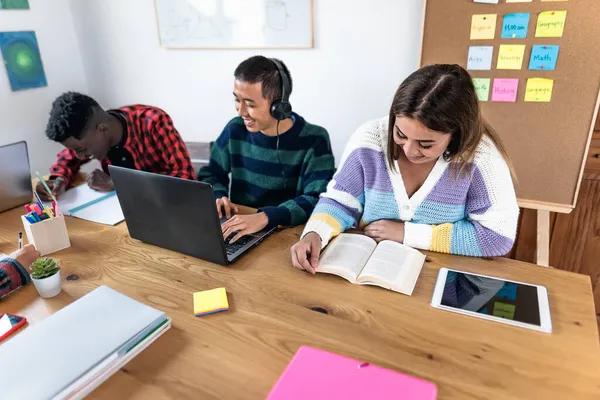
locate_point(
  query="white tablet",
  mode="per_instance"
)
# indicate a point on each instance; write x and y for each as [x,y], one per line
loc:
[509,302]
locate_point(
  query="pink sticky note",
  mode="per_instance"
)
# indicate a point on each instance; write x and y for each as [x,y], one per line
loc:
[318,375]
[505,90]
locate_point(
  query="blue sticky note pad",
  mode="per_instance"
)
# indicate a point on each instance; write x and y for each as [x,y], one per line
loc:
[515,26]
[508,292]
[543,57]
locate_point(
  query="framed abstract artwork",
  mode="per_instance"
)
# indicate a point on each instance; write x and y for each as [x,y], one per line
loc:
[22,60]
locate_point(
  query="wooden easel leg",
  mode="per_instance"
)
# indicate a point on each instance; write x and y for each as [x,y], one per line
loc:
[543,238]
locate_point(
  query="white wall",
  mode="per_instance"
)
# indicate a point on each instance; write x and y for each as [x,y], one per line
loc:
[24,114]
[363,50]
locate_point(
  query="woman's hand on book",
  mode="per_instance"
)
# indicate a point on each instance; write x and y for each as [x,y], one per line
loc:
[305,253]
[385,230]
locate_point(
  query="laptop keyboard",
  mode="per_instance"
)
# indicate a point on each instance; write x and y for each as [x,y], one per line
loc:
[232,248]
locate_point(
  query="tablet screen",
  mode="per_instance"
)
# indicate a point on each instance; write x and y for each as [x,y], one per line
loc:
[491,296]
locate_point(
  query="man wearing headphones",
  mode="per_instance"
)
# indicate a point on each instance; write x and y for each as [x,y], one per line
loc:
[279,163]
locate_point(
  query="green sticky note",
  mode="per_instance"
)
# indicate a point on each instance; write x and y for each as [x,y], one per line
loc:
[504,310]
[482,88]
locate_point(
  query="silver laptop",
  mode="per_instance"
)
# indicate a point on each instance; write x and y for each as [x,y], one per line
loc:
[177,214]
[15,176]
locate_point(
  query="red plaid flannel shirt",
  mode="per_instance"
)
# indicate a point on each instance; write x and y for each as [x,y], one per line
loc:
[152,141]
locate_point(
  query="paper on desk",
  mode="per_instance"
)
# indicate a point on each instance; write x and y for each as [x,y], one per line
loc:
[107,211]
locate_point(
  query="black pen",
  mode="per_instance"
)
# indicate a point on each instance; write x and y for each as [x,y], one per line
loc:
[20,240]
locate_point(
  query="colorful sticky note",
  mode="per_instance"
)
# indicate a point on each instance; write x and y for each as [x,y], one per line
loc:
[480,57]
[543,57]
[551,24]
[483,26]
[486,1]
[505,90]
[482,88]
[510,56]
[515,26]
[22,60]
[539,90]
[504,310]
[210,302]
[14,4]
[508,291]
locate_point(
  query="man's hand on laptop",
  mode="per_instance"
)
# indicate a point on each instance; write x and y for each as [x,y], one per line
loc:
[244,225]
[100,181]
[57,185]
[226,208]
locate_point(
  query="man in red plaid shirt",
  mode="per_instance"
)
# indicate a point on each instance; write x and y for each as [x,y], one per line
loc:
[138,137]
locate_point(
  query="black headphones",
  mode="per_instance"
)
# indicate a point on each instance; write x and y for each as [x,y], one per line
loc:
[281,108]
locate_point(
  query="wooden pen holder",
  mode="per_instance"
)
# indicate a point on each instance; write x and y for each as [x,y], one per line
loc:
[48,236]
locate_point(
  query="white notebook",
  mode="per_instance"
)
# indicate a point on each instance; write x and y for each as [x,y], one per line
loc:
[91,205]
[47,357]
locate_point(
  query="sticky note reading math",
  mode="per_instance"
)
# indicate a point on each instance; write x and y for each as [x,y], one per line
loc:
[543,57]
[480,57]
[539,90]
[482,88]
[210,302]
[515,26]
[505,90]
[551,24]
[504,310]
[483,26]
[511,56]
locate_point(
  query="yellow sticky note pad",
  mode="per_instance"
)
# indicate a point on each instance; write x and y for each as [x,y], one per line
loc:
[551,24]
[504,310]
[539,90]
[510,56]
[483,26]
[210,301]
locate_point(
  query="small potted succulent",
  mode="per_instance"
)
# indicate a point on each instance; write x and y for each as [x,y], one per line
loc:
[46,276]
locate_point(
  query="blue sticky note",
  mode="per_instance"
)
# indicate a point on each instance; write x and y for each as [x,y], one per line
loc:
[480,57]
[515,26]
[543,57]
[508,292]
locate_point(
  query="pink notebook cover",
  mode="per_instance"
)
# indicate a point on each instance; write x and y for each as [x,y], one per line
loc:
[316,374]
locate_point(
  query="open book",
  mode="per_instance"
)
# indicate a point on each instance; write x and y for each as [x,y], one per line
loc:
[360,260]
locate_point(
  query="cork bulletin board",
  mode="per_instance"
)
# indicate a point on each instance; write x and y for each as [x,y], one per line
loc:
[548,135]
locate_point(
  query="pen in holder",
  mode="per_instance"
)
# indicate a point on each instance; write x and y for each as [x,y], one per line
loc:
[49,235]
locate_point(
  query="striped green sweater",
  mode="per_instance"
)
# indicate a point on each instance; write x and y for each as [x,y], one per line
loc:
[286,192]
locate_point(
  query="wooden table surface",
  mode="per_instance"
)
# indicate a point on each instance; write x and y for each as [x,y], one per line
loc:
[240,354]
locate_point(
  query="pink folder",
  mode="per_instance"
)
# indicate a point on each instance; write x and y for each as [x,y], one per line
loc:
[316,374]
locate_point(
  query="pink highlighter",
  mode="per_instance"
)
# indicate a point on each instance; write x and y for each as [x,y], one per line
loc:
[316,374]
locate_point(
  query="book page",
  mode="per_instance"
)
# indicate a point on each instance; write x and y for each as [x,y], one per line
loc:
[393,266]
[347,255]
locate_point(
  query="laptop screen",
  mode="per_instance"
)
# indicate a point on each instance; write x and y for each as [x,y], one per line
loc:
[15,176]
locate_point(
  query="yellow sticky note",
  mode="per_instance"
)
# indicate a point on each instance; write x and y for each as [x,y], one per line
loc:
[539,90]
[510,56]
[210,301]
[551,24]
[504,310]
[483,26]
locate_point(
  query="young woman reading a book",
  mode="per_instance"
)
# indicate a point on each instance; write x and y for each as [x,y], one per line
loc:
[433,175]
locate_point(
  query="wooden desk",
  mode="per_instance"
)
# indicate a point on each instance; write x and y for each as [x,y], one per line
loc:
[240,354]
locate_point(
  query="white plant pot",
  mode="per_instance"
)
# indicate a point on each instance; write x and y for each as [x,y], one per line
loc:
[49,286]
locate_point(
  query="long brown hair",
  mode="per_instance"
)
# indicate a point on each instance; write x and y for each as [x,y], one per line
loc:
[442,97]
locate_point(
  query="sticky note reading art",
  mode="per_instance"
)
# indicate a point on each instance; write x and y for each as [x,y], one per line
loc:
[514,26]
[543,57]
[504,310]
[539,90]
[482,88]
[505,90]
[551,24]
[483,26]
[511,56]
[480,58]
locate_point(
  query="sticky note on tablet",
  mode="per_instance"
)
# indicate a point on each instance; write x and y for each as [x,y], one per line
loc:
[505,90]
[482,88]
[210,302]
[483,26]
[544,57]
[551,24]
[539,90]
[480,58]
[510,56]
[504,310]
[514,26]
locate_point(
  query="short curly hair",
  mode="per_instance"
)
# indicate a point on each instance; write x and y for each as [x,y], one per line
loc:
[70,115]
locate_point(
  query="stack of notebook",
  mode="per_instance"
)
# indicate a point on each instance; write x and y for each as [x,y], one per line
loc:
[70,353]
